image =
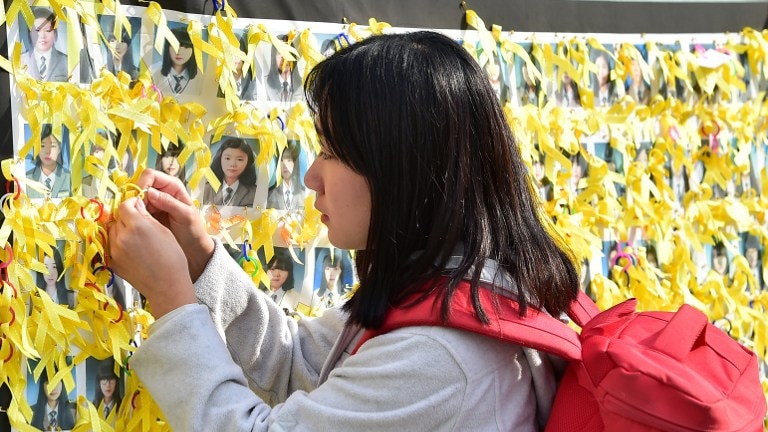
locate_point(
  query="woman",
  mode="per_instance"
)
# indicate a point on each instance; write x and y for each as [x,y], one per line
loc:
[108,394]
[605,93]
[281,284]
[245,82]
[55,286]
[283,79]
[636,86]
[233,165]
[168,162]
[331,289]
[178,72]
[120,55]
[430,189]
[289,193]
[49,167]
[52,411]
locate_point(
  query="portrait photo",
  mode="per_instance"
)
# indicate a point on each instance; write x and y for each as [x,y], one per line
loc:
[53,408]
[287,190]
[51,166]
[168,161]
[45,46]
[121,52]
[283,79]
[604,87]
[104,387]
[176,72]
[334,276]
[234,164]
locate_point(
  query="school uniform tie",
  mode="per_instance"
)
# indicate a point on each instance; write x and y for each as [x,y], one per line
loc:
[48,183]
[43,67]
[52,423]
[179,85]
[285,91]
[288,199]
[228,196]
[106,411]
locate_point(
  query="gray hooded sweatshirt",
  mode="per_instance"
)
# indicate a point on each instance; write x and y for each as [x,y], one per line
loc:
[236,362]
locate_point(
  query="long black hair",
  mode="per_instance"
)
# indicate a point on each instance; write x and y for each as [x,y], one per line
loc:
[248,177]
[186,42]
[416,116]
[106,370]
[64,418]
[282,260]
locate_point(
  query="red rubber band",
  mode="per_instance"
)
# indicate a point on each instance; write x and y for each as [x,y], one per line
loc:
[9,355]
[119,308]
[7,282]
[133,399]
[99,204]
[16,183]
[8,249]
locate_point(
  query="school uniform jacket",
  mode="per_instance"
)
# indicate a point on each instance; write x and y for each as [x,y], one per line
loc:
[235,362]
[61,187]
[56,68]
[244,195]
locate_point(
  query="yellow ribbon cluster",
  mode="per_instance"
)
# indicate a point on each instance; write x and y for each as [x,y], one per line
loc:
[715,133]
[32,326]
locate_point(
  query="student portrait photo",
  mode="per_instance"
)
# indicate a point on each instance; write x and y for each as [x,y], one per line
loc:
[121,52]
[604,88]
[246,82]
[527,88]
[289,191]
[54,282]
[168,161]
[104,388]
[283,79]
[44,56]
[51,166]
[177,72]
[53,409]
[234,165]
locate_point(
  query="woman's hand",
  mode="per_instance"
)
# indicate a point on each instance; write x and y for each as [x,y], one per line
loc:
[146,254]
[168,201]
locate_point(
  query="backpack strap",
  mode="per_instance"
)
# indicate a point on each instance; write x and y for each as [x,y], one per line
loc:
[583,309]
[536,329]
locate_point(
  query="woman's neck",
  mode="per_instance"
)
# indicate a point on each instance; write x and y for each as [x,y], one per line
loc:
[53,403]
[48,170]
[178,69]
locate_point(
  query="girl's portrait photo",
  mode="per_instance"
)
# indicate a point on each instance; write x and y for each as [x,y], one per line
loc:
[168,161]
[121,52]
[288,191]
[177,73]
[104,387]
[333,275]
[603,86]
[285,279]
[51,166]
[283,79]
[528,87]
[46,46]
[635,85]
[246,82]
[54,282]
[234,165]
[53,409]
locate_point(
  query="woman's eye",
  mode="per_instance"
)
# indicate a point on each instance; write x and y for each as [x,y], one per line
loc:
[325,155]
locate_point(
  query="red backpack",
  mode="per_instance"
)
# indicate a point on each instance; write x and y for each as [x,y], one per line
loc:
[627,371]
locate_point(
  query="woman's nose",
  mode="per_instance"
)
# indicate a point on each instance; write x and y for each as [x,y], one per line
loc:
[311,178]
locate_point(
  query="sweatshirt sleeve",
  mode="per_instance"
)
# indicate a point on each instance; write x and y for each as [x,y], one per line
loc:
[277,355]
[187,369]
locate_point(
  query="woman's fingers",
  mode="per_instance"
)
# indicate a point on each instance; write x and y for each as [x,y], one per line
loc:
[161,181]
